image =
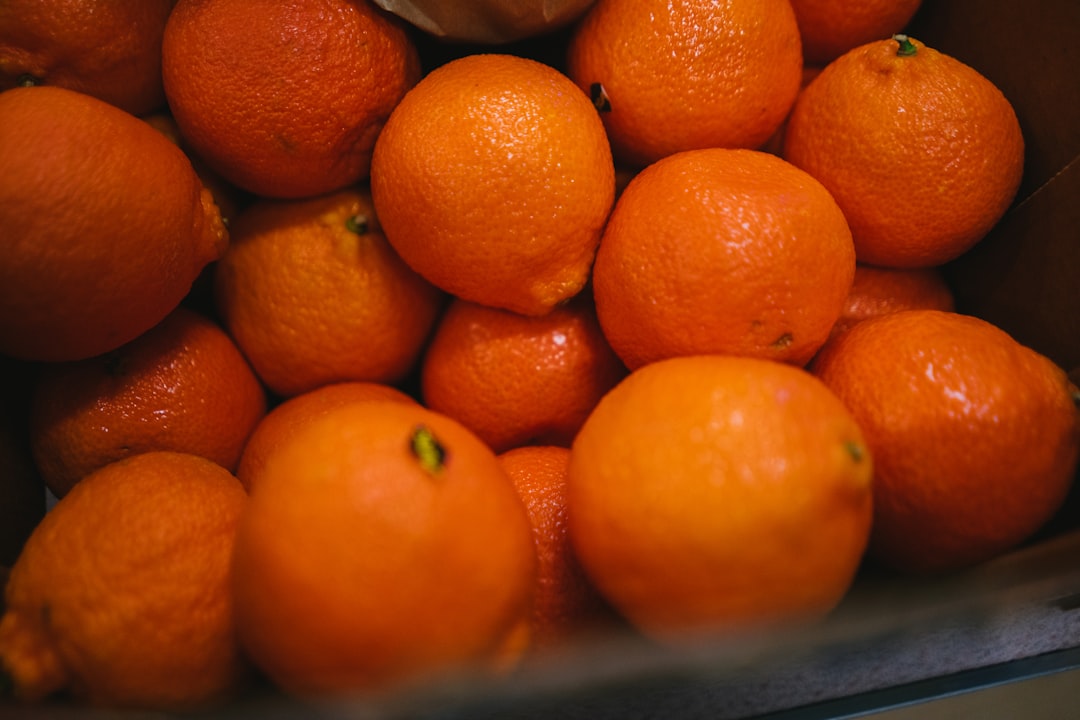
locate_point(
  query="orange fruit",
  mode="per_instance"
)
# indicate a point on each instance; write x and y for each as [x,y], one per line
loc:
[974,436]
[106,225]
[518,379]
[829,28]
[111,50]
[412,548]
[716,493]
[669,77]
[285,99]
[281,423]
[877,291]
[313,294]
[121,595]
[922,153]
[487,21]
[566,607]
[181,386]
[701,255]
[492,179]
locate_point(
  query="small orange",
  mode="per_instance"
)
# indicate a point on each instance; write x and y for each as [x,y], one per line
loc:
[281,423]
[121,595]
[829,28]
[517,379]
[110,50]
[974,436]
[313,294]
[669,77]
[410,545]
[285,99]
[106,225]
[566,606]
[877,291]
[716,493]
[493,179]
[181,386]
[722,251]
[922,153]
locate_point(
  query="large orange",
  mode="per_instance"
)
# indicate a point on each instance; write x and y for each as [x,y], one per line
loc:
[313,294]
[104,48]
[121,595]
[181,386]
[383,544]
[829,28]
[722,251]
[719,493]
[285,99]
[974,436]
[922,152]
[493,179]
[670,76]
[106,225]
[877,291]
[518,379]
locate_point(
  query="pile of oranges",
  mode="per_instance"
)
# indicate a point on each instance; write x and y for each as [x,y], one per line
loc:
[354,358]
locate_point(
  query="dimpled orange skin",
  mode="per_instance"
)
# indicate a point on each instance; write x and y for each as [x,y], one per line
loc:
[679,76]
[974,436]
[922,153]
[106,225]
[700,257]
[493,179]
[877,291]
[717,493]
[285,99]
[830,28]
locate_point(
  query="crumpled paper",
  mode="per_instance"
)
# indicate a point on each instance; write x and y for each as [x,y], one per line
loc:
[487,21]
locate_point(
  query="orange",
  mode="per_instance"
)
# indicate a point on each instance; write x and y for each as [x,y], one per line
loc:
[285,99]
[518,379]
[488,22]
[710,494]
[181,386]
[121,595]
[108,49]
[722,251]
[493,179]
[829,28]
[106,225]
[412,549]
[566,607]
[313,294]
[974,436]
[279,425]
[922,153]
[669,77]
[877,291]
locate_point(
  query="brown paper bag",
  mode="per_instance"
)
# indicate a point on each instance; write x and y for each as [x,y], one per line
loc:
[487,21]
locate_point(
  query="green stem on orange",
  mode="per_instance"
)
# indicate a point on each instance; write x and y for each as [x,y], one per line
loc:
[855,450]
[428,450]
[907,48]
[357,224]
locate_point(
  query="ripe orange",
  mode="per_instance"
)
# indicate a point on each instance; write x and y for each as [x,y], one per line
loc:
[285,99]
[105,223]
[181,386]
[412,549]
[493,179]
[829,28]
[313,294]
[974,436]
[110,50]
[121,597]
[877,291]
[281,423]
[722,251]
[922,153]
[566,607]
[516,379]
[718,493]
[669,76]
